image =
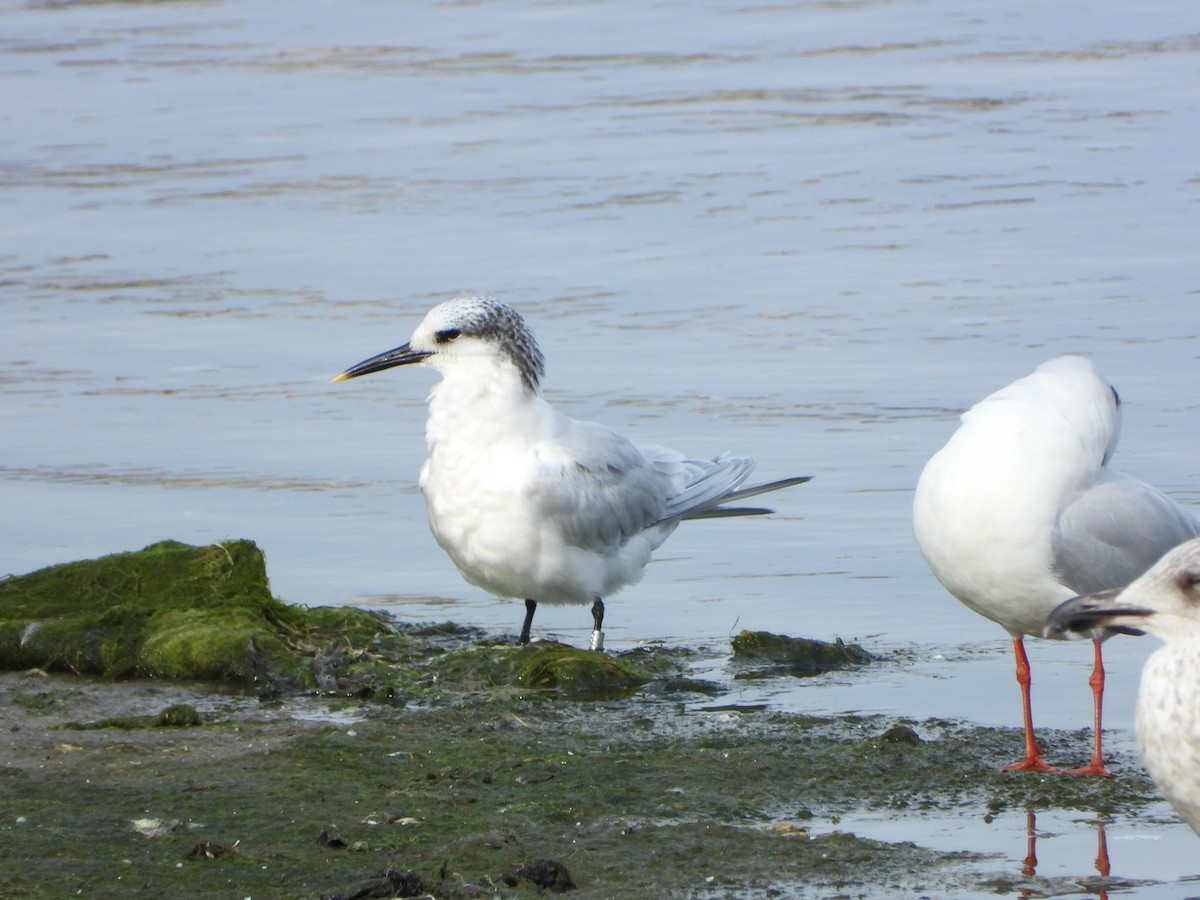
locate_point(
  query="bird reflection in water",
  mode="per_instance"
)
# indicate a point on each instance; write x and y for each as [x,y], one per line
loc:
[1030,863]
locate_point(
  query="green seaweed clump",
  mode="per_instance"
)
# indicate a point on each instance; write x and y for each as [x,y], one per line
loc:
[579,673]
[179,715]
[546,666]
[170,610]
[797,656]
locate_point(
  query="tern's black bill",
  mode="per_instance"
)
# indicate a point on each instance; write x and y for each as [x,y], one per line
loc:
[401,356]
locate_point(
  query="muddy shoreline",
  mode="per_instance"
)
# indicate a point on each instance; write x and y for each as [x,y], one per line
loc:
[667,793]
[293,752]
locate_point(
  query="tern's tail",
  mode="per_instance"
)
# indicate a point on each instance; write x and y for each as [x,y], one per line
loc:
[720,511]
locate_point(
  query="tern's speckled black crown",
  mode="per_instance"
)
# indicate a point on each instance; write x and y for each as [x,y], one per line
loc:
[484,317]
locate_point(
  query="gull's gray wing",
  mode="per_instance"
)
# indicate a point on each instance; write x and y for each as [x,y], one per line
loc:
[1114,530]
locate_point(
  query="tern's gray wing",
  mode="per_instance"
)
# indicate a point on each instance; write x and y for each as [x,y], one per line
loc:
[596,488]
[703,483]
[719,509]
[1115,530]
[703,487]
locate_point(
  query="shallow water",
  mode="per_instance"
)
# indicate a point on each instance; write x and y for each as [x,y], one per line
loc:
[812,233]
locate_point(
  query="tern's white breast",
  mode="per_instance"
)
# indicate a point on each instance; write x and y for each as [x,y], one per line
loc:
[487,447]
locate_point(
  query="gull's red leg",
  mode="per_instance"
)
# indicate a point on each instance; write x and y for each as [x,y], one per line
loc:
[1096,766]
[1033,761]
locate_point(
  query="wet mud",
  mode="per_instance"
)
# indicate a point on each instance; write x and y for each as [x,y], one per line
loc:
[436,760]
[645,796]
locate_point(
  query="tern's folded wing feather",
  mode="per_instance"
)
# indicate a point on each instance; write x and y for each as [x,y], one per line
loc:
[596,488]
[702,484]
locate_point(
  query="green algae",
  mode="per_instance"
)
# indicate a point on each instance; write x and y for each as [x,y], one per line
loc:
[637,798]
[796,655]
[170,610]
[178,715]
[579,674]
[468,774]
[170,573]
[545,666]
[207,614]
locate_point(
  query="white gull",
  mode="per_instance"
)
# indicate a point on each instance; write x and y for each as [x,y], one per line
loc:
[527,502]
[1166,603]
[1020,511]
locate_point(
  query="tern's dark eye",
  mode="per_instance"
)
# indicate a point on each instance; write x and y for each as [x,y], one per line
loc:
[446,335]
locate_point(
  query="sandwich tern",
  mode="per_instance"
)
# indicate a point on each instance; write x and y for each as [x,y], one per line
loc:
[1166,603]
[527,502]
[1020,511]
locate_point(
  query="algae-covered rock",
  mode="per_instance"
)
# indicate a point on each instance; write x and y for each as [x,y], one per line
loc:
[579,673]
[393,883]
[543,666]
[800,656]
[901,734]
[547,873]
[179,715]
[171,610]
[206,613]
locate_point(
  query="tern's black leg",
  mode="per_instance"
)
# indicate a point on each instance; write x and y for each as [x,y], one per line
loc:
[530,606]
[597,642]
